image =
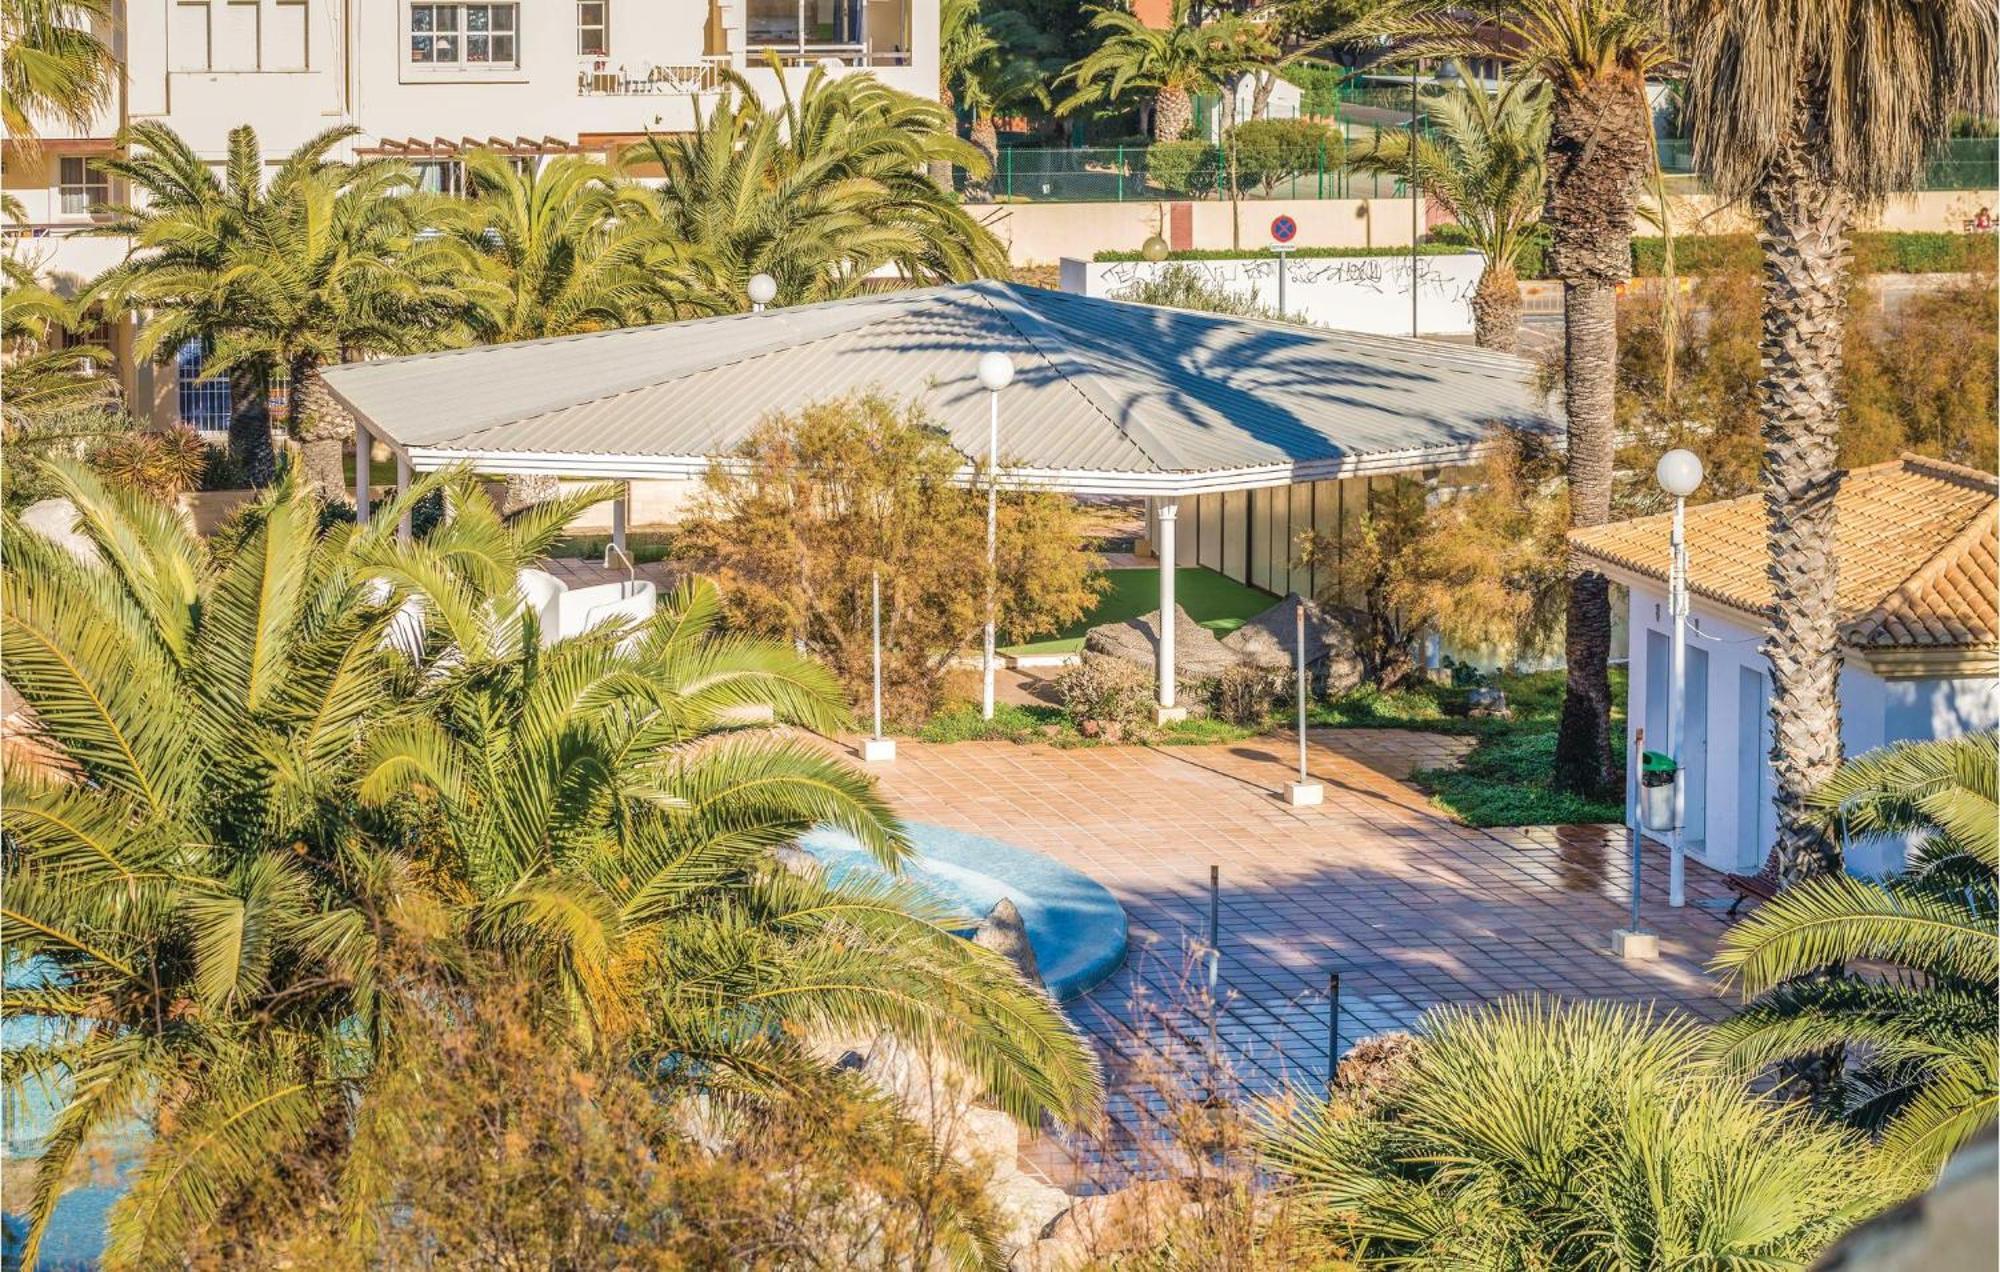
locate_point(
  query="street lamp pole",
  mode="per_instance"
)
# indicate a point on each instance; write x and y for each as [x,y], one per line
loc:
[996,372]
[1679,474]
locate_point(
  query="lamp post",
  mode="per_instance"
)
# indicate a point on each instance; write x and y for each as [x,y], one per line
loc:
[996,372]
[763,290]
[1679,474]
[875,749]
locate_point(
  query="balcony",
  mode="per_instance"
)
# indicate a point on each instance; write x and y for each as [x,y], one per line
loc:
[608,77]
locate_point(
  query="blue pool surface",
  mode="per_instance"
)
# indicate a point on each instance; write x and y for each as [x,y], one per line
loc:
[1076,926]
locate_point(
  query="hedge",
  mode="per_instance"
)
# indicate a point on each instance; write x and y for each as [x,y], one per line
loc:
[1875,252]
[1303,253]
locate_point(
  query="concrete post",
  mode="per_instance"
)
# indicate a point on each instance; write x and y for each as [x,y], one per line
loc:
[403,532]
[621,511]
[1169,514]
[364,441]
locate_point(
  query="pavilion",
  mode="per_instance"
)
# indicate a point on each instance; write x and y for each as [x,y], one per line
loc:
[1258,430]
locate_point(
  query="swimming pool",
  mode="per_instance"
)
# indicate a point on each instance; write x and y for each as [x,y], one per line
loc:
[1074,923]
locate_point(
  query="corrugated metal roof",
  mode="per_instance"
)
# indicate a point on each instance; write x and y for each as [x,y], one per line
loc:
[1101,386]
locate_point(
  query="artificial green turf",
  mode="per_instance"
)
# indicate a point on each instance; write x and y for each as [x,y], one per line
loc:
[1218,603]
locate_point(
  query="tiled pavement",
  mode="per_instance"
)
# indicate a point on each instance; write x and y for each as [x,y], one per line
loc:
[1409,908]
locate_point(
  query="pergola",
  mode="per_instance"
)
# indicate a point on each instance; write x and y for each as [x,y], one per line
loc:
[1109,398]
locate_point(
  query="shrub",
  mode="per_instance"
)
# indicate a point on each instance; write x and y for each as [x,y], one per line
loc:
[1185,287]
[1247,695]
[1534,261]
[1269,151]
[1189,167]
[1106,690]
[1875,252]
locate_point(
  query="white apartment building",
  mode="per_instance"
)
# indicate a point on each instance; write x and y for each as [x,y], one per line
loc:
[425,81]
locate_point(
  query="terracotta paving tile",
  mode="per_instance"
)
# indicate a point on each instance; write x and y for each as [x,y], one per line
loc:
[1412,909]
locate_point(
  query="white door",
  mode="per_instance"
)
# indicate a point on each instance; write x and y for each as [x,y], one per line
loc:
[1753,767]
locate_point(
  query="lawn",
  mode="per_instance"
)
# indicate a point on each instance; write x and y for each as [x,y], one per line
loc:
[1504,779]
[1220,604]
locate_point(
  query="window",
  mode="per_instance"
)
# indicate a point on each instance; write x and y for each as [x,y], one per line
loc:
[473,35]
[440,176]
[593,28]
[83,185]
[204,404]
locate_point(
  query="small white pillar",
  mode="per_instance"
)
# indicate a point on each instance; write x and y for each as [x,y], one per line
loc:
[403,532]
[1164,545]
[877,749]
[364,442]
[621,512]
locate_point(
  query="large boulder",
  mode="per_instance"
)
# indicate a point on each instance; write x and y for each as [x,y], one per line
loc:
[1268,641]
[57,521]
[1005,933]
[1197,653]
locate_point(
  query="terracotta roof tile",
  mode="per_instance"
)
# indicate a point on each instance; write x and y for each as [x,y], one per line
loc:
[1915,538]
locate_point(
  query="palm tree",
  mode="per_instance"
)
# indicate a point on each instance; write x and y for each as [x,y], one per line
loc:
[1595,56]
[1483,160]
[294,762]
[52,64]
[43,378]
[1538,1135]
[979,73]
[1173,62]
[323,262]
[819,191]
[1929,1077]
[1813,111]
[560,249]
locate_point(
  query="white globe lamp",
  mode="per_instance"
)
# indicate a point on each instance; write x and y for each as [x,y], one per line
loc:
[996,371]
[763,290]
[1154,249]
[1678,472]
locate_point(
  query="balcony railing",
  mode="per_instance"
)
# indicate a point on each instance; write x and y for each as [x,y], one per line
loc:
[792,54]
[604,77]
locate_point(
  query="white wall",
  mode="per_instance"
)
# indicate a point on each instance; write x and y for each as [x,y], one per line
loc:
[1349,293]
[1043,233]
[1734,771]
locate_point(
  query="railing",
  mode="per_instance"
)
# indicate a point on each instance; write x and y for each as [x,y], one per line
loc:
[602,77]
[1965,163]
[814,54]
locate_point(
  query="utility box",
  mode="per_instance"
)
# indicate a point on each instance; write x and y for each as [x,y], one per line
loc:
[1656,791]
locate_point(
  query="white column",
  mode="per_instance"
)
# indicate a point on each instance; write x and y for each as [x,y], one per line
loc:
[1169,512]
[403,493]
[1677,603]
[364,442]
[621,511]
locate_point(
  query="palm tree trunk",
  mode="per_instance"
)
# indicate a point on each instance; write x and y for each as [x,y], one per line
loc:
[1173,114]
[322,427]
[1802,227]
[1599,149]
[1496,308]
[524,491]
[940,169]
[250,423]
[986,136]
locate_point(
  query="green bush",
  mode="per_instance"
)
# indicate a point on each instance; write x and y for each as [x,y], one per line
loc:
[1269,151]
[1875,252]
[1246,696]
[1534,256]
[1319,87]
[1187,167]
[1105,689]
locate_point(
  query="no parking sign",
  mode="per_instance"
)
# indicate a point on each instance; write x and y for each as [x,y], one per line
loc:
[1284,229]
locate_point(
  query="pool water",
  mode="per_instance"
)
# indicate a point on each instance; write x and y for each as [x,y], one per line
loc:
[1075,925]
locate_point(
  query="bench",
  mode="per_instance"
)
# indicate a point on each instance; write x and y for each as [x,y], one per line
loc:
[1761,886]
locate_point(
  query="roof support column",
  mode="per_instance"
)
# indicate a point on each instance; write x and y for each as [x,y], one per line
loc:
[621,512]
[364,444]
[1163,545]
[403,531]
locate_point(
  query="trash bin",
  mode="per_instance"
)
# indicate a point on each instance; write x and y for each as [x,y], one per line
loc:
[1656,791]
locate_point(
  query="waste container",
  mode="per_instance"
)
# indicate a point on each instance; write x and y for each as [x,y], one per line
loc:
[1656,791]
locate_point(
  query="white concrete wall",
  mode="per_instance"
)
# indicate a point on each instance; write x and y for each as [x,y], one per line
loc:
[1348,293]
[1044,233]
[1946,210]
[1737,824]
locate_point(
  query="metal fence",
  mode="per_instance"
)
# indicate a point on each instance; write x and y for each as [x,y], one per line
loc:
[1116,174]
[1966,163]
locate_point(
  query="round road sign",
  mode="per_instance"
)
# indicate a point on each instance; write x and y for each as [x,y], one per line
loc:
[1284,229]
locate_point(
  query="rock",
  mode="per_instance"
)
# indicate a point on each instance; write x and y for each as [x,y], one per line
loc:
[1023,1206]
[56,521]
[1004,932]
[1268,641]
[1140,1217]
[1197,653]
